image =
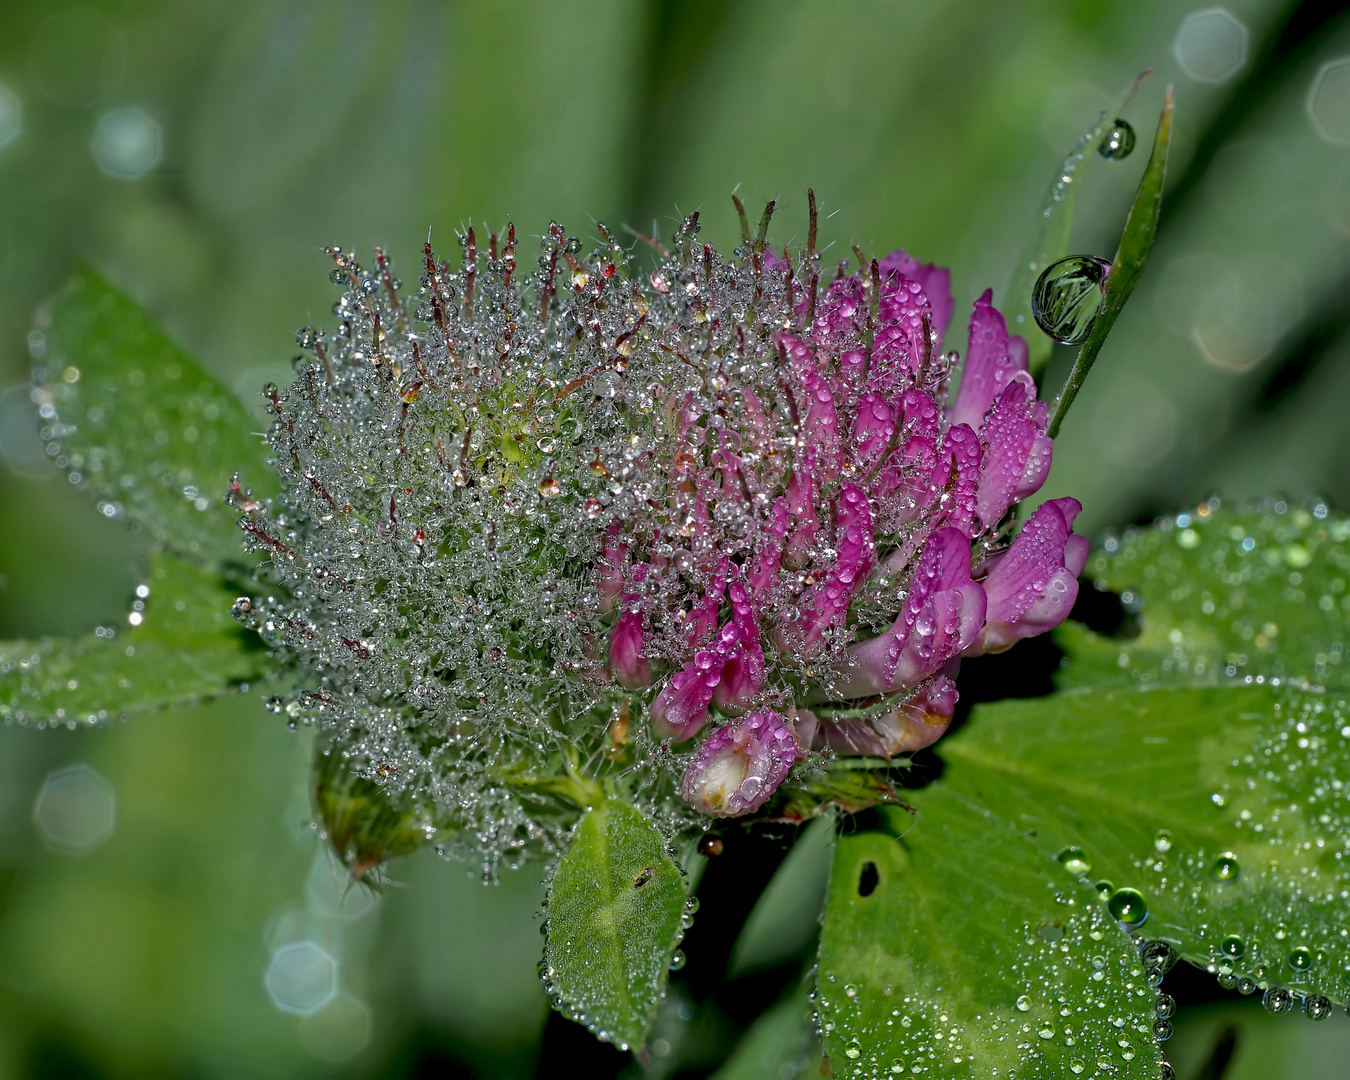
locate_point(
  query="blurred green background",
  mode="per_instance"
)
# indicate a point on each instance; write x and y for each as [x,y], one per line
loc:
[203,152]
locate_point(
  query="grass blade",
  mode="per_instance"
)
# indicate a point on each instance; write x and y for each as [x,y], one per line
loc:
[1141,228]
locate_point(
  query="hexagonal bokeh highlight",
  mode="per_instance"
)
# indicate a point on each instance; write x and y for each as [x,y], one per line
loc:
[1329,101]
[1211,45]
[75,810]
[127,143]
[1246,309]
[337,1032]
[302,978]
[11,116]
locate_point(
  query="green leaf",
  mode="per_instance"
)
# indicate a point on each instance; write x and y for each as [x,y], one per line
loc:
[1204,762]
[1224,594]
[615,910]
[1141,228]
[780,1044]
[1225,807]
[787,914]
[150,432]
[186,649]
[1051,240]
[954,946]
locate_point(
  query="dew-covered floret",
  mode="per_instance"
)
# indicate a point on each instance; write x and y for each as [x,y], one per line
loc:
[584,529]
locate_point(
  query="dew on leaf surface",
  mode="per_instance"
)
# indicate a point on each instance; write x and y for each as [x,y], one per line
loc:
[1075,860]
[1128,906]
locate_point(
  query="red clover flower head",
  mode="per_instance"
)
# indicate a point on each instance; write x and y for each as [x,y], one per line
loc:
[680,531]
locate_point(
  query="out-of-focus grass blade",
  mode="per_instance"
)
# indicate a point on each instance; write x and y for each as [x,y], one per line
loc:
[1141,228]
[1051,240]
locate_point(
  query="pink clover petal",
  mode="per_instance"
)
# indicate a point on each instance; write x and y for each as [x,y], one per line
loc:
[992,361]
[821,420]
[764,570]
[743,670]
[611,566]
[681,709]
[840,316]
[961,448]
[740,766]
[626,660]
[941,617]
[856,555]
[701,623]
[900,344]
[1033,586]
[1016,450]
[935,281]
[872,430]
[801,500]
[852,738]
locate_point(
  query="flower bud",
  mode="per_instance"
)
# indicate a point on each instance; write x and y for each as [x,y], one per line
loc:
[1032,586]
[942,616]
[740,766]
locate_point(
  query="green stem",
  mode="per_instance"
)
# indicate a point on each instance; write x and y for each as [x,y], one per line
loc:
[1141,229]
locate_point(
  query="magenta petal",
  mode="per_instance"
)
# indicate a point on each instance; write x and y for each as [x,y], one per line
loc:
[992,361]
[1016,450]
[764,570]
[743,667]
[872,430]
[855,556]
[921,720]
[821,420]
[801,504]
[942,616]
[701,622]
[626,661]
[739,767]
[935,281]
[681,709]
[1033,585]
[900,343]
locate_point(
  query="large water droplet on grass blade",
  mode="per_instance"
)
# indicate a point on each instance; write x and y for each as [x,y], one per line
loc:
[1068,295]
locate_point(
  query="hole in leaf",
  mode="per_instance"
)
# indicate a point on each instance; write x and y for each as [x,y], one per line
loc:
[645,876]
[867,880]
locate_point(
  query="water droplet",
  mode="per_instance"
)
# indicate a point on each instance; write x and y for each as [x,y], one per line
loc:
[1076,1067]
[1024,1003]
[1158,956]
[1317,1007]
[1301,958]
[1165,1006]
[1047,1032]
[1232,946]
[1226,867]
[1245,985]
[1075,860]
[677,961]
[1277,1000]
[1162,1030]
[1104,887]
[1162,843]
[1067,296]
[1118,142]
[1128,906]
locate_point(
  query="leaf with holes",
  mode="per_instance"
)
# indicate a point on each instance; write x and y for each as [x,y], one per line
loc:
[953,946]
[185,648]
[155,436]
[615,911]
